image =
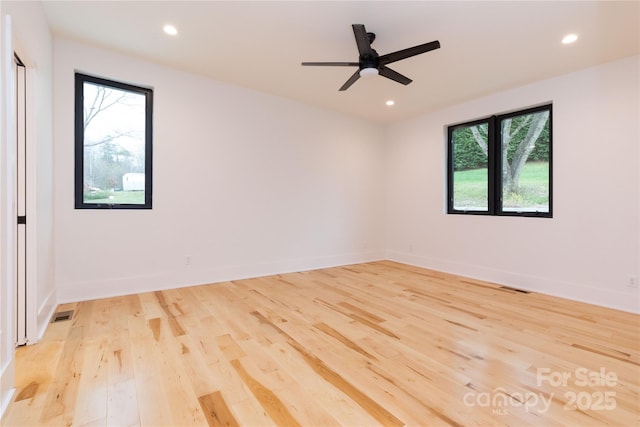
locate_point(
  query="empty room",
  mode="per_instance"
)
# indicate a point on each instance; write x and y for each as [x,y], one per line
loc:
[319,213]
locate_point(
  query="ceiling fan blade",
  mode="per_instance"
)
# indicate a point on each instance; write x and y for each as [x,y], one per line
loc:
[362,40]
[333,64]
[408,53]
[393,75]
[351,80]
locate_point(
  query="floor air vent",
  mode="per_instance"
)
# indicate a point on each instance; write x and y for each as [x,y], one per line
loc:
[62,316]
[507,288]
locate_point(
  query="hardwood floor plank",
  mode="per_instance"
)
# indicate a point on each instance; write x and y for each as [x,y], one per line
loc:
[176,329]
[229,347]
[148,366]
[91,401]
[372,407]
[250,413]
[320,392]
[216,410]
[62,394]
[344,340]
[122,404]
[267,398]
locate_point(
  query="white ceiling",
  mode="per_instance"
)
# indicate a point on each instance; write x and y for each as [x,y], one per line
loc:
[486,46]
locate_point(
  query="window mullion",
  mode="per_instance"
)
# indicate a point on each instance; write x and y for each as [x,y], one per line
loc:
[494,162]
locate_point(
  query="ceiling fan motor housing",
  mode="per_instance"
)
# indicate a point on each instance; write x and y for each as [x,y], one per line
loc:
[368,60]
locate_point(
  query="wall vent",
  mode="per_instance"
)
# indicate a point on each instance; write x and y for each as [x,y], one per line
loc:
[62,316]
[507,288]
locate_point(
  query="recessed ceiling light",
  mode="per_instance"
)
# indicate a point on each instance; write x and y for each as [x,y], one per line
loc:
[569,38]
[170,29]
[390,102]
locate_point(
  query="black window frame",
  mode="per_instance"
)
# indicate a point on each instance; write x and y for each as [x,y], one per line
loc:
[494,165]
[80,79]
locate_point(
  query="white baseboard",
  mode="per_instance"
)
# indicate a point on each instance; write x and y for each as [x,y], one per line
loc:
[7,389]
[189,276]
[192,276]
[629,302]
[45,311]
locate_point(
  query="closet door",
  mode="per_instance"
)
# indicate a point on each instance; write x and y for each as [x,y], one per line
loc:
[21,205]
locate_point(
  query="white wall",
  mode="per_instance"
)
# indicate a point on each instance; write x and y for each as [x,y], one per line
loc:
[31,39]
[245,184]
[588,249]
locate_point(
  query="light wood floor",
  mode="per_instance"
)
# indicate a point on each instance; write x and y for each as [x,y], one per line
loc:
[363,345]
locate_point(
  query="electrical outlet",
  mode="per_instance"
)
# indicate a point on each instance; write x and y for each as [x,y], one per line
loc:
[187,260]
[632,281]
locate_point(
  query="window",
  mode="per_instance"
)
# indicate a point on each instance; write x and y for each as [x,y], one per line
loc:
[113,147]
[501,165]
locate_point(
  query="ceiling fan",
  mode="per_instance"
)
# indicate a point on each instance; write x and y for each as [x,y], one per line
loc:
[371,64]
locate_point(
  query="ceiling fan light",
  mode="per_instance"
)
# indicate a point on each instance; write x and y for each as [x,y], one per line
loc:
[368,72]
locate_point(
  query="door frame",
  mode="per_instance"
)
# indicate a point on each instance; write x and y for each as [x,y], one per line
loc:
[26,317]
